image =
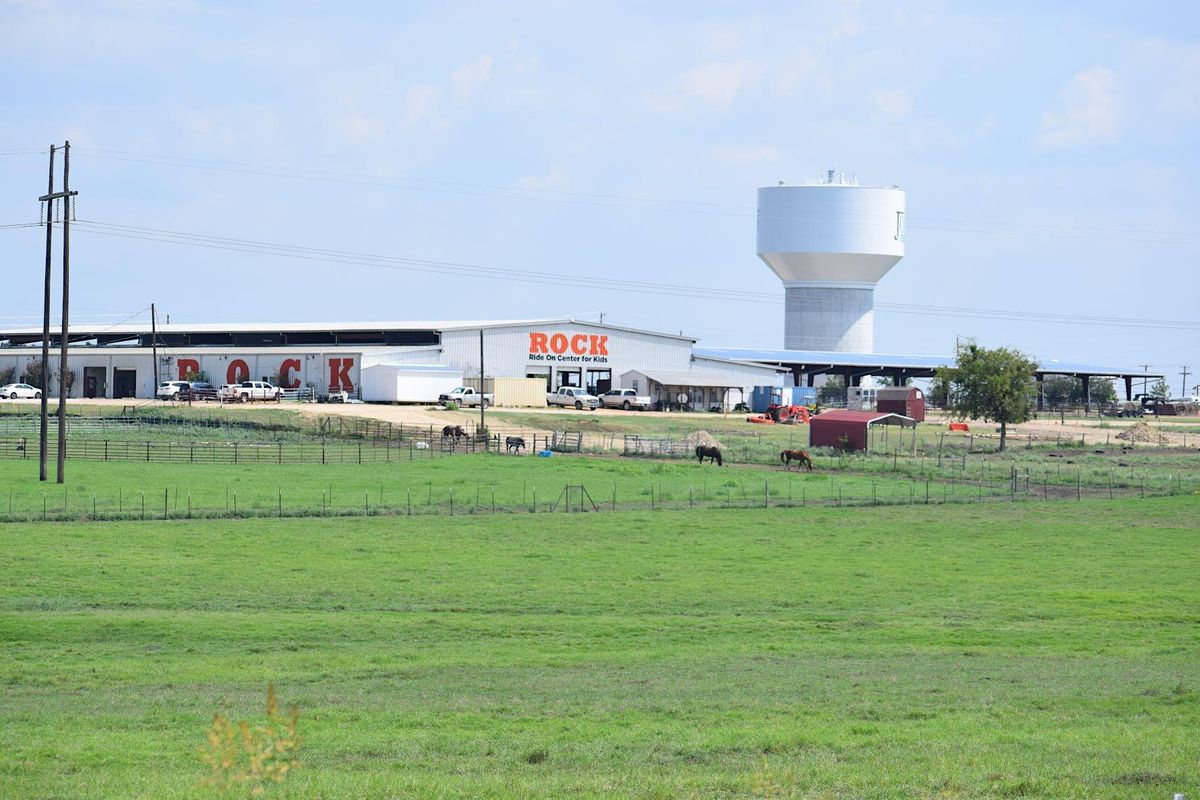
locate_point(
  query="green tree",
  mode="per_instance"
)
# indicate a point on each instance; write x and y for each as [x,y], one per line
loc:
[1160,388]
[834,391]
[994,385]
[939,392]
[32,374]
[1058,390]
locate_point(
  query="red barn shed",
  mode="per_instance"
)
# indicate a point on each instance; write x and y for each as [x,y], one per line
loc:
[828,428]
[908,401]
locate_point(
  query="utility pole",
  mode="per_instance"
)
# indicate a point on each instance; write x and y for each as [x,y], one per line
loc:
[54,200]
[482,396]
[1145,369]
[45,382]
[154,346]
[1184,373]
[66,299]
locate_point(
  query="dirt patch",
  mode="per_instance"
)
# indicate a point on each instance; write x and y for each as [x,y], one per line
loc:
[702,438]
[1140,432]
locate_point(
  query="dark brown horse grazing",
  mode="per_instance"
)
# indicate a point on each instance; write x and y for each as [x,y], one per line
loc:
[788,456]
[454,431]
[711,453]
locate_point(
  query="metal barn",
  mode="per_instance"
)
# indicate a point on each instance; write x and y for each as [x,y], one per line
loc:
[851,430]
[907,401]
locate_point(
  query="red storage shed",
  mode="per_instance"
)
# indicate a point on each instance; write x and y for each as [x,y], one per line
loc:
[828,428]
[908,401]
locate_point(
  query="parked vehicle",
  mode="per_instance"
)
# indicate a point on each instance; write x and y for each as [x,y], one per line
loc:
[573,396]
[14,391]
[626,399]
[246,391]
[466,396]
[169,390]
[197,390]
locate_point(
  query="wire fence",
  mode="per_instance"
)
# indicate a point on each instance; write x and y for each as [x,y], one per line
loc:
[145,503]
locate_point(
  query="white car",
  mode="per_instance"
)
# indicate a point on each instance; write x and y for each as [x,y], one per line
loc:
[14,391]
[626,399]
[169,390]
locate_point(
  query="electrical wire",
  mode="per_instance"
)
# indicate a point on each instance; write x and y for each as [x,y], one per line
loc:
[638,287]
[989,227]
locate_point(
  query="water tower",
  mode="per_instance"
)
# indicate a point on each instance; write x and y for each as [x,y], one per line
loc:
[830,242]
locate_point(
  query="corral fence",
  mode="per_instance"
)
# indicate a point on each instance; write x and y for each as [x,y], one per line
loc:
[424,499]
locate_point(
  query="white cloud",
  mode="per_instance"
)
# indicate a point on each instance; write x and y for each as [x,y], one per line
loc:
[744,156]
[470,78]
[1088,112]
[896,103]
[556,180]
[717,83]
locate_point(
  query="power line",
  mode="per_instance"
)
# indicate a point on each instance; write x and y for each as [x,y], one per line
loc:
[530,276]
[988,227]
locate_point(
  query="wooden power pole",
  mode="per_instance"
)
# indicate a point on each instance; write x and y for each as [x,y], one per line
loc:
[63,383]
[45,378]
[53,200]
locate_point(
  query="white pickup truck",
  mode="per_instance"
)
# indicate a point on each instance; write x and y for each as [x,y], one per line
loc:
[573,396]
[466,396]
[627,399]
[246,391]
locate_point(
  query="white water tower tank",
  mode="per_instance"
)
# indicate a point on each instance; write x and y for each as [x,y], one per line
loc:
[830,242]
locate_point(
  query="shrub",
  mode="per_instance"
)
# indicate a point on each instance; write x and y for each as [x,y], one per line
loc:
[239,755]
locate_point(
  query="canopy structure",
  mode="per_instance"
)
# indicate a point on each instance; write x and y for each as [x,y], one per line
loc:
[806,365]
[851,430]
[682,390]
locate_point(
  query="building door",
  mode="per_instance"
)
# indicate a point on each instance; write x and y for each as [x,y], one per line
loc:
[93,382]
[124,383]
[599,381]
[567,377]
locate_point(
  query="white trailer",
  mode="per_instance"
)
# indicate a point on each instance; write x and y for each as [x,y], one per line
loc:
[408,383]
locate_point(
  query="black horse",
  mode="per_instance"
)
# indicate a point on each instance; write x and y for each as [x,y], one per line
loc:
[514,444]
[711,453]
[455,432]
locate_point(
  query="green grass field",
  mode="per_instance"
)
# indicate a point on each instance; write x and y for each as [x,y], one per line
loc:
[514,483]
[1033,650]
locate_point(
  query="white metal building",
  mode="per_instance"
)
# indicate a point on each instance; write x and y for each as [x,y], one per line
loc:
[117,361]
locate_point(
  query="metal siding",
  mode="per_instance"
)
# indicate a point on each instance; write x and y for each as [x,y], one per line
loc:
[506,350]
[828,433]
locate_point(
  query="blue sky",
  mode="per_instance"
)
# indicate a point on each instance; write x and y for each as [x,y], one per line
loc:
[1048,152]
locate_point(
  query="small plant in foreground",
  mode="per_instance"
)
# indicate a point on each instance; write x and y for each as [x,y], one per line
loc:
[239,755]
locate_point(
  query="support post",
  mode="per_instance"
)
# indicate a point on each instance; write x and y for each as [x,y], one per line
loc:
[66,301]
[42,435]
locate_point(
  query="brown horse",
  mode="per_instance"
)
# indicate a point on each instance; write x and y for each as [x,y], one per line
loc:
[788,456]
[711,453]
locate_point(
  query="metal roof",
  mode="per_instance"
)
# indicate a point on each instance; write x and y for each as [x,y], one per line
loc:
[869,417]
[125,331]
[828,361]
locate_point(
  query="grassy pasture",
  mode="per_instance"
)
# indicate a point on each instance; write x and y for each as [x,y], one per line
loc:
[475,480]
[1037,650]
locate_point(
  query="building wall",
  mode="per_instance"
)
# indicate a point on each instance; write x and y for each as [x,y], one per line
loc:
[322,369]
[563,352]
[577,354]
